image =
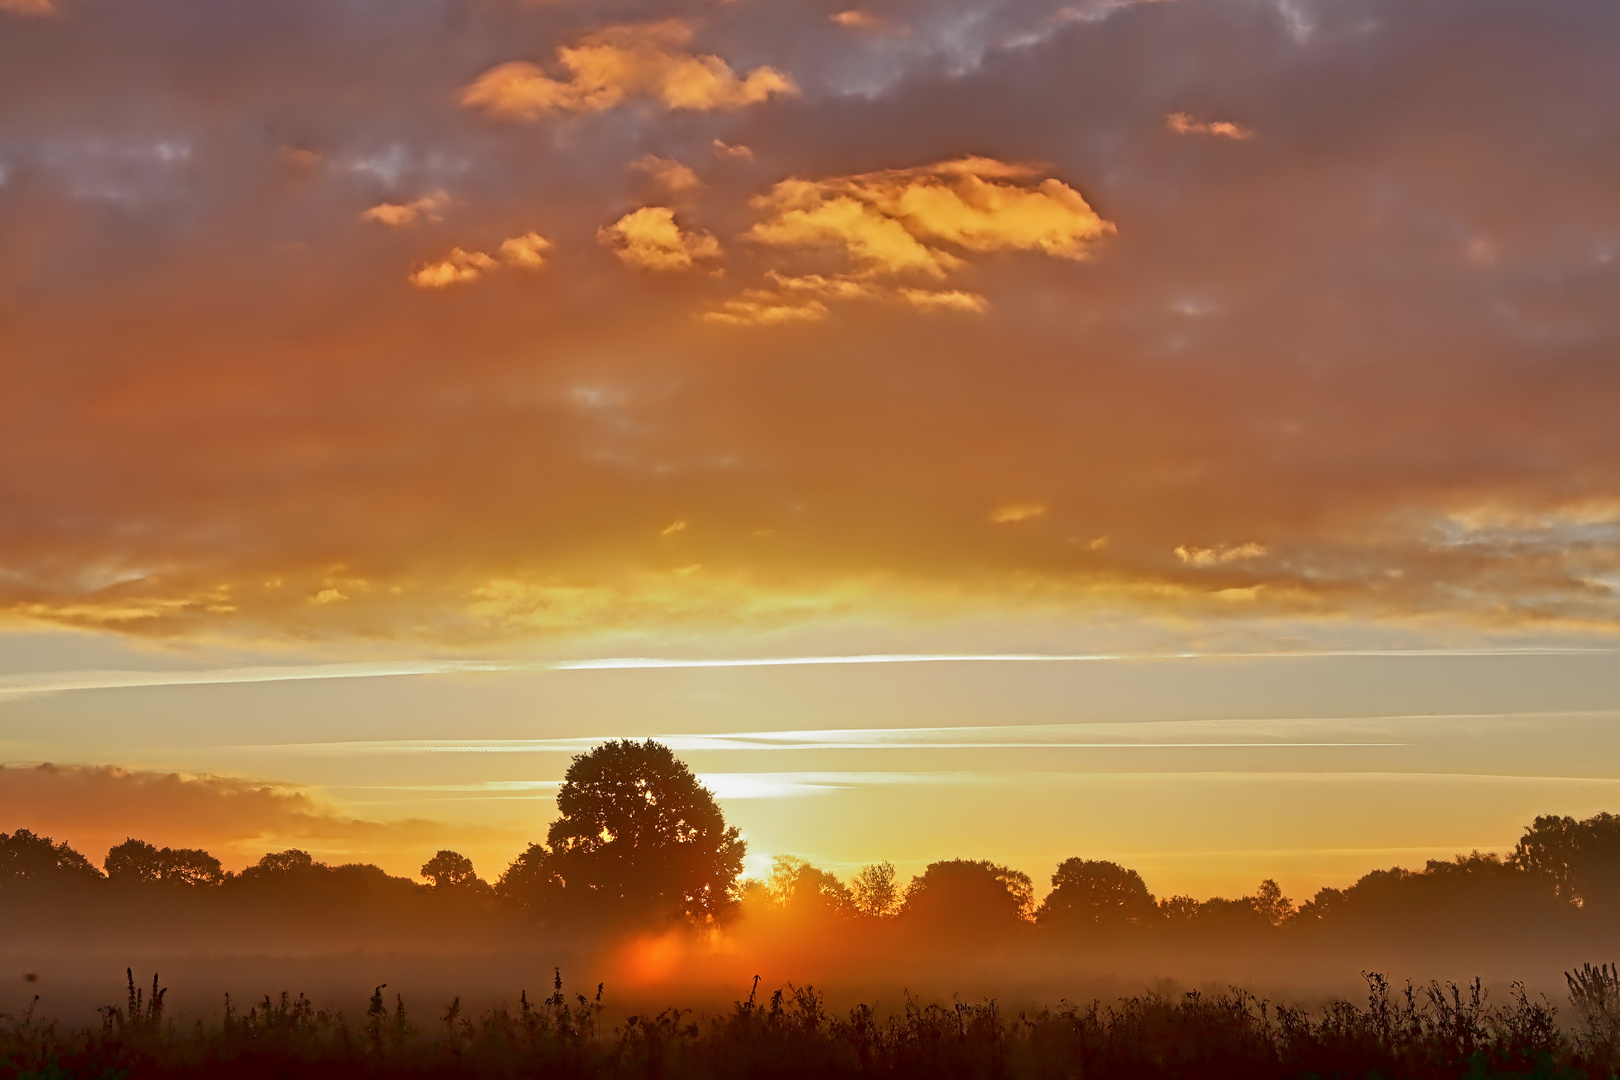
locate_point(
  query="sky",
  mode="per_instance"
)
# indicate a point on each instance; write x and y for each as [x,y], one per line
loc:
[1180,431]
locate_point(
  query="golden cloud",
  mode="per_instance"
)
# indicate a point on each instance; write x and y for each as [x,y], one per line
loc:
[527,251]
[398,214]
[461,266]
[652,239]
[761,307]
[1197,556]
[1183,124]
[456,268]
[619,64]
[890,222]
[944,300]
[670,174]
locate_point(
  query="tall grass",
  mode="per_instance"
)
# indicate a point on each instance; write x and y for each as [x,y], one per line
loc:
[1436,1030]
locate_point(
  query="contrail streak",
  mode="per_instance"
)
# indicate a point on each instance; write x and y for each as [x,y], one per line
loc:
[68,681]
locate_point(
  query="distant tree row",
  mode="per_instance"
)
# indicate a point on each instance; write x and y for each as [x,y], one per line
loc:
[638,839]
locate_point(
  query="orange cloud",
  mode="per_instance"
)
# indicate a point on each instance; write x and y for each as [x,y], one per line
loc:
[398,214]
[1183,124]
[855,19]
[671,174]
[651,238]
[95,807]
[29,8]
[727,150]
[1016,512]
[621,64]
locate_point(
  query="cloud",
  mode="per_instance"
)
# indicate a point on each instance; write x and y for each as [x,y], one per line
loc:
[527,251]
[397,214]
[29,8]
[1183,124]
[727,150]
[457,268]
[651,238]
[462,267]
[761,307]
[893,222]
[614,66]
[1197,556]
[437,448]
[94,807]
[670,174]
[944,300]
[855,19]
[1016,512]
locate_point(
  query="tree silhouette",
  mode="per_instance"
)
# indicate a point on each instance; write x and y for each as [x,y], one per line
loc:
[1088,892]
[637,837]
[877,893]
[795,883]
[451,871]
[275,865]
[1579,859]
[968,894]
[1270,903]
[136,860]
[27,856]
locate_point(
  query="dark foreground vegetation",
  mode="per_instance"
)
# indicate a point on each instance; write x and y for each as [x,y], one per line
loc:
[1419,1032]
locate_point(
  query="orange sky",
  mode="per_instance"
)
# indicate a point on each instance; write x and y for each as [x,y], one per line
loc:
[491,329]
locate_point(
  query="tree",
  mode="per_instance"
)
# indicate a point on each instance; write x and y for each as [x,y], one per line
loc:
[1580,860]
[27,856]
[1092,892]
[1270,903]
[877,893]
[970,894]
[136,860]
[637,837]
[795,883]
[280,865]
[449,870]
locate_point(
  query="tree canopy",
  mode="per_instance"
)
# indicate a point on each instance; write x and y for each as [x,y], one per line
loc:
[1092,892]
[637,837]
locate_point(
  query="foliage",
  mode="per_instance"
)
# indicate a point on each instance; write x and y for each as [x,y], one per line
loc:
[26,857]
[973,893]
[1088,892]
[637,838]
[1421,1032]
[138,861]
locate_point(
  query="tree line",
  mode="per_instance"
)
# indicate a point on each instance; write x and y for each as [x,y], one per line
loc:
[638,840]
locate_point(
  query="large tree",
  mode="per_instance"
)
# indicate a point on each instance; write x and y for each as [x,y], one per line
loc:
[1092,892]
[637,837]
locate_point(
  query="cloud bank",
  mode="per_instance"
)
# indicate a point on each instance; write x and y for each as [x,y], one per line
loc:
[261,376]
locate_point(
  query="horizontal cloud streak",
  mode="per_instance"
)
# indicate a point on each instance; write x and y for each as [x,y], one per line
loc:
[68,681]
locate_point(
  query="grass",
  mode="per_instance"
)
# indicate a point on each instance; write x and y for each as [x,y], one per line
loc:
[1437,1030]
